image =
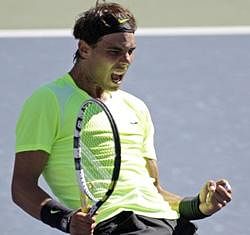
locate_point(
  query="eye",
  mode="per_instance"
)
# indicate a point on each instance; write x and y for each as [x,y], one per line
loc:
[114,52]
[130,51]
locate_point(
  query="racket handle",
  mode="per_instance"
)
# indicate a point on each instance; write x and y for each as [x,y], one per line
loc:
[85,208]
[84,203]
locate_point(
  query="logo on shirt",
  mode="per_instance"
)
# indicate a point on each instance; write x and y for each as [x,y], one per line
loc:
[133,122]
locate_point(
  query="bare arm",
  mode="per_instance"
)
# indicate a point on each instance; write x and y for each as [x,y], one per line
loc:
[30,197]
[25,190]
[172,198]
[212,196]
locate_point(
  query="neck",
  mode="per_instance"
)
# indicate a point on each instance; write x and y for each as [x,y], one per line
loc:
[84,82]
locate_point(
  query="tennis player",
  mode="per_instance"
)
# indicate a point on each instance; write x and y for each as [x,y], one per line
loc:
[139,205]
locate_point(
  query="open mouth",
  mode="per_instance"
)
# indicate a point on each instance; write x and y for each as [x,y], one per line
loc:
[117,77]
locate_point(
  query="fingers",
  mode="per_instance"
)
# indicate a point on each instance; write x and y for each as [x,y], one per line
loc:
[219,193]
[224,183]
[211,186]
[221,186]
[218,200]
[223,192]
[82,224]
[215,195]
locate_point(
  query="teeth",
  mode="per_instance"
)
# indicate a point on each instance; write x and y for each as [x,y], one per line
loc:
[119,72]
[116,78]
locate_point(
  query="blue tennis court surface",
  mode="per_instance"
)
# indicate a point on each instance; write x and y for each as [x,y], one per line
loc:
[198,91]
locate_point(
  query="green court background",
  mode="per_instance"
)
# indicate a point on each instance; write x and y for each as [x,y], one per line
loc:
[27,14]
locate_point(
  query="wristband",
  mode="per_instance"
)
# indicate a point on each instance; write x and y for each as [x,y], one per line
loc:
[189,208]
[56,215]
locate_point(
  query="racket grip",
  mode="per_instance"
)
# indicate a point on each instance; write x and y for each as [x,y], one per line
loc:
[84,203]
[84,210]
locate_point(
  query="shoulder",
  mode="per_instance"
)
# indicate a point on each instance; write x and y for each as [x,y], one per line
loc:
[51,93]
[41,101]
[40,95]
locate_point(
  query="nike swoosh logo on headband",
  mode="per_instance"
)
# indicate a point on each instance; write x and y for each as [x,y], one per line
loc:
[122,21]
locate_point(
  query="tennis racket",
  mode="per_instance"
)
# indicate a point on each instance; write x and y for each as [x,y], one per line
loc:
[97,154]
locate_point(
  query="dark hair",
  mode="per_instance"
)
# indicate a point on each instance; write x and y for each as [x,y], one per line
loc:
[104,18]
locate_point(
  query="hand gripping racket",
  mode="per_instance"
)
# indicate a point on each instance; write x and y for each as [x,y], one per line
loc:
[97,154]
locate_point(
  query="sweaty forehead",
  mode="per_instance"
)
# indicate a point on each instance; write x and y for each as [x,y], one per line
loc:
[126,40]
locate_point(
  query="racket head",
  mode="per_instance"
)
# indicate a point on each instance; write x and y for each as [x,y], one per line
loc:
[97,154]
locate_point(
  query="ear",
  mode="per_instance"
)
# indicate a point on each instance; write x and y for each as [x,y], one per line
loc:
[84,49]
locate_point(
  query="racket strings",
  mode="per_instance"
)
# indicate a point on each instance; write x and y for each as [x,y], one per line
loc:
[98,173]
[95,168]
[98,151]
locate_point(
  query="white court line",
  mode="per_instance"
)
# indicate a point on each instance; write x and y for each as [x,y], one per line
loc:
[175,31]
[186,31]
[35,33]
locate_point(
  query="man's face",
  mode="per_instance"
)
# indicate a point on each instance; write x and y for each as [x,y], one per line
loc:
[109,60]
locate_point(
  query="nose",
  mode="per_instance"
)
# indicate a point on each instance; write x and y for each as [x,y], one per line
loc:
[126,58]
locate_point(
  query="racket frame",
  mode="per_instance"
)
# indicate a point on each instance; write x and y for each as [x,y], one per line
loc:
[78,156]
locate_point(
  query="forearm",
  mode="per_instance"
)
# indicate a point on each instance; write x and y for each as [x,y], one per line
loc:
[37,203]
[27,194]
[171,198]
[212,197]
[29,197]
[188,207]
